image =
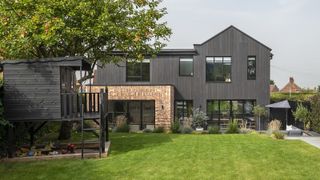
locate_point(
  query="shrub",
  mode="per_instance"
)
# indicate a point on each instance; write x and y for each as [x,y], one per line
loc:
[199,118]
[187,122]
[274,125]
[158,130]
[254,132]
[214,130]
[245,131]
[122,128]
[175,127]
[186,130]
[315,112]
[233,127]
[277,135]
[147,131]
[121,124]
[302,114]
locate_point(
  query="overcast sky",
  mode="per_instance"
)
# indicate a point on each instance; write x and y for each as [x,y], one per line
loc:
[290,27]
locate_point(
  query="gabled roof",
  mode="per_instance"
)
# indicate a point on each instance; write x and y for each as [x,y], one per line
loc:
[232,27]
[282,105]
[291,87]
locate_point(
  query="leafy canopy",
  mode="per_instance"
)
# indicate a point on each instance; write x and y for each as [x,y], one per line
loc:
[91,28]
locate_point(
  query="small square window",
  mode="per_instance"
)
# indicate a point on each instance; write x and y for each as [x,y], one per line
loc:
[186,67]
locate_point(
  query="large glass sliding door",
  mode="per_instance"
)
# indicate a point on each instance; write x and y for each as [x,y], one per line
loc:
[139,114]
[222,111]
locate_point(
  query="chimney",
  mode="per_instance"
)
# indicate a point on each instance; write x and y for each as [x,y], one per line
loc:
[291,80]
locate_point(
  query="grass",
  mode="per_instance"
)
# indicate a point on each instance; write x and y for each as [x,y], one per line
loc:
[175,156]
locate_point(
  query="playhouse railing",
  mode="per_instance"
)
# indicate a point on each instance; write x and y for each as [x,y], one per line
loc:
[70,104]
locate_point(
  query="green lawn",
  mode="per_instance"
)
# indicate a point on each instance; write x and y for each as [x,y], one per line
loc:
[169,156]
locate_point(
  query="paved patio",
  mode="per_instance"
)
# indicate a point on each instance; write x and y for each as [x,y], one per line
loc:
[314,141]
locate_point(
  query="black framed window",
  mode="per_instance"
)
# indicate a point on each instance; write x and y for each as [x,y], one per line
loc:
[218,69]
[221,111]
[138,71]
[186,67]
[183,108]
[251,75]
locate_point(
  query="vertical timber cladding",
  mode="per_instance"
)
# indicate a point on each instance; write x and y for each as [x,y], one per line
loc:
[163,95]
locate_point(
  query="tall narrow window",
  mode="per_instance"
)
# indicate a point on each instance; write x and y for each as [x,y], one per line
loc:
[251,75]
[186,67]
[138,71]
[218,69]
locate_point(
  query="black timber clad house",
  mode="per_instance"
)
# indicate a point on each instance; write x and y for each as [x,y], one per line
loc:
[224,76]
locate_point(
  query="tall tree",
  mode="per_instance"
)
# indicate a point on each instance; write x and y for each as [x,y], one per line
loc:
[90,28]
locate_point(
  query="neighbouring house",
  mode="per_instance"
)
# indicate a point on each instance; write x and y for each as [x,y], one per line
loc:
[291,87]
[274,88]
[225,76]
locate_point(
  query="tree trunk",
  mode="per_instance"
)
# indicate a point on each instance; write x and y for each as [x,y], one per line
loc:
[65,130]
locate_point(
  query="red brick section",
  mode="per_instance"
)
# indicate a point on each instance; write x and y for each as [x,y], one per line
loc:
[163,95]
[291,87]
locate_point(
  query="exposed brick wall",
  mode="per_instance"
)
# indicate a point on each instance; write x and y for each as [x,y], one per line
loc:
[162,95]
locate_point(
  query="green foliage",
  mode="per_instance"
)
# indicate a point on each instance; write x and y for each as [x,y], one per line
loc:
[277,135]
[123,127]
[186,130]
[315,112]
[245,131]
[271,82]
[159,130]
[147,131]
[52,28]
[214,130]
[199,118]
[301,97]
[175,127]
[233,127]
[302,114]
[259,111]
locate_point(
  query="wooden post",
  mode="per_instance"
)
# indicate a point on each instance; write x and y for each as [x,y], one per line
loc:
[102,120]
[106,112]
[31,132]
[11,141]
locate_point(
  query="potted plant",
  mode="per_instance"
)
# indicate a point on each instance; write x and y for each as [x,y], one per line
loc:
[199,119]
[259,112]
[302,114]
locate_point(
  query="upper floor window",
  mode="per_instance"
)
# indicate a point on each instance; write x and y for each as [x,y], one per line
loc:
[251,69]
[138,71]
[218,69]
[186,67]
